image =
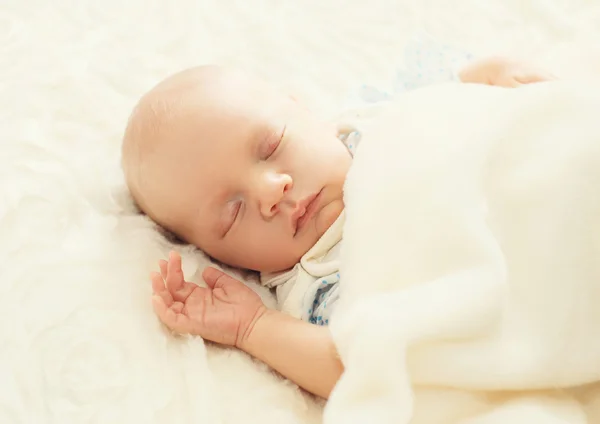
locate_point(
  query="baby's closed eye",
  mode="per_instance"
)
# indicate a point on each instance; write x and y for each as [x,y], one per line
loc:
[272,144]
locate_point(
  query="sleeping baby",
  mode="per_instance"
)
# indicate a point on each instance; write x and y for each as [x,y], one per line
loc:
[249,176]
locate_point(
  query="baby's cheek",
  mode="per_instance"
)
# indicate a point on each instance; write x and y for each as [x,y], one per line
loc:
[328,215]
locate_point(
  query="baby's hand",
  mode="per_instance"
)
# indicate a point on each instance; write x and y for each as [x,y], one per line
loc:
[225,312]
[503,72]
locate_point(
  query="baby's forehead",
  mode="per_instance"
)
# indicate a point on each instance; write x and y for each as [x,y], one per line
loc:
[210,112]
[206,87]
[224,107]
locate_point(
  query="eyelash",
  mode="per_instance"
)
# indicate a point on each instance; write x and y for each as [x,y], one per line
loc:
[274,146]
[234,214]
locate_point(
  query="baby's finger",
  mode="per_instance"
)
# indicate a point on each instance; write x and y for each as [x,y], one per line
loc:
[159,289]
[159,306]
[174,278]
[175,321]
[510,83]
[157,282]
[531,78]
[177,307]
[162,264]
[179,322]
[215,278]
[177,286]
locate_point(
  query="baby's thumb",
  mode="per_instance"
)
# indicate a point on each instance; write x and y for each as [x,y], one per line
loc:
[215,278]
[534,77]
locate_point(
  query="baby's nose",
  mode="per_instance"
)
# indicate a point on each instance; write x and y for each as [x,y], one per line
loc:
[275,187]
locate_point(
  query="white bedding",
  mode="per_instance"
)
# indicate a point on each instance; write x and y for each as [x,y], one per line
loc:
[470,257]
[79,341]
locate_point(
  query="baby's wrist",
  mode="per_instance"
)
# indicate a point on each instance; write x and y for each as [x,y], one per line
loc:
[245,340]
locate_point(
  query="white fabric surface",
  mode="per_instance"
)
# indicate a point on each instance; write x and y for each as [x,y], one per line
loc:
[470,254]
[80,343]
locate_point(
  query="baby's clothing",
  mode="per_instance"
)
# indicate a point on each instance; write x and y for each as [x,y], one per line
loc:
[310,290]
[425,61]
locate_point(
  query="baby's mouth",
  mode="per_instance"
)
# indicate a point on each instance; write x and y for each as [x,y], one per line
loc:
[305,211]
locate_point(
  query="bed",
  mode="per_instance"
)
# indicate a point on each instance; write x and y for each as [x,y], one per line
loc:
[80,343]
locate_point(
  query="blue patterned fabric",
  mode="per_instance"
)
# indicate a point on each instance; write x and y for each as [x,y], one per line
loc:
[425,61]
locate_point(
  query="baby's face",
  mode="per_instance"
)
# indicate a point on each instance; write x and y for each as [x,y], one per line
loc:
[247,174]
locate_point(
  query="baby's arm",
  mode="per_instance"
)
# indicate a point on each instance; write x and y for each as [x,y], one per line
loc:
[230,313]
[303,352]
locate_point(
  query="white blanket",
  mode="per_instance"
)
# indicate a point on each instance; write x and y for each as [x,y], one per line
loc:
[79,341]
[471,259]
